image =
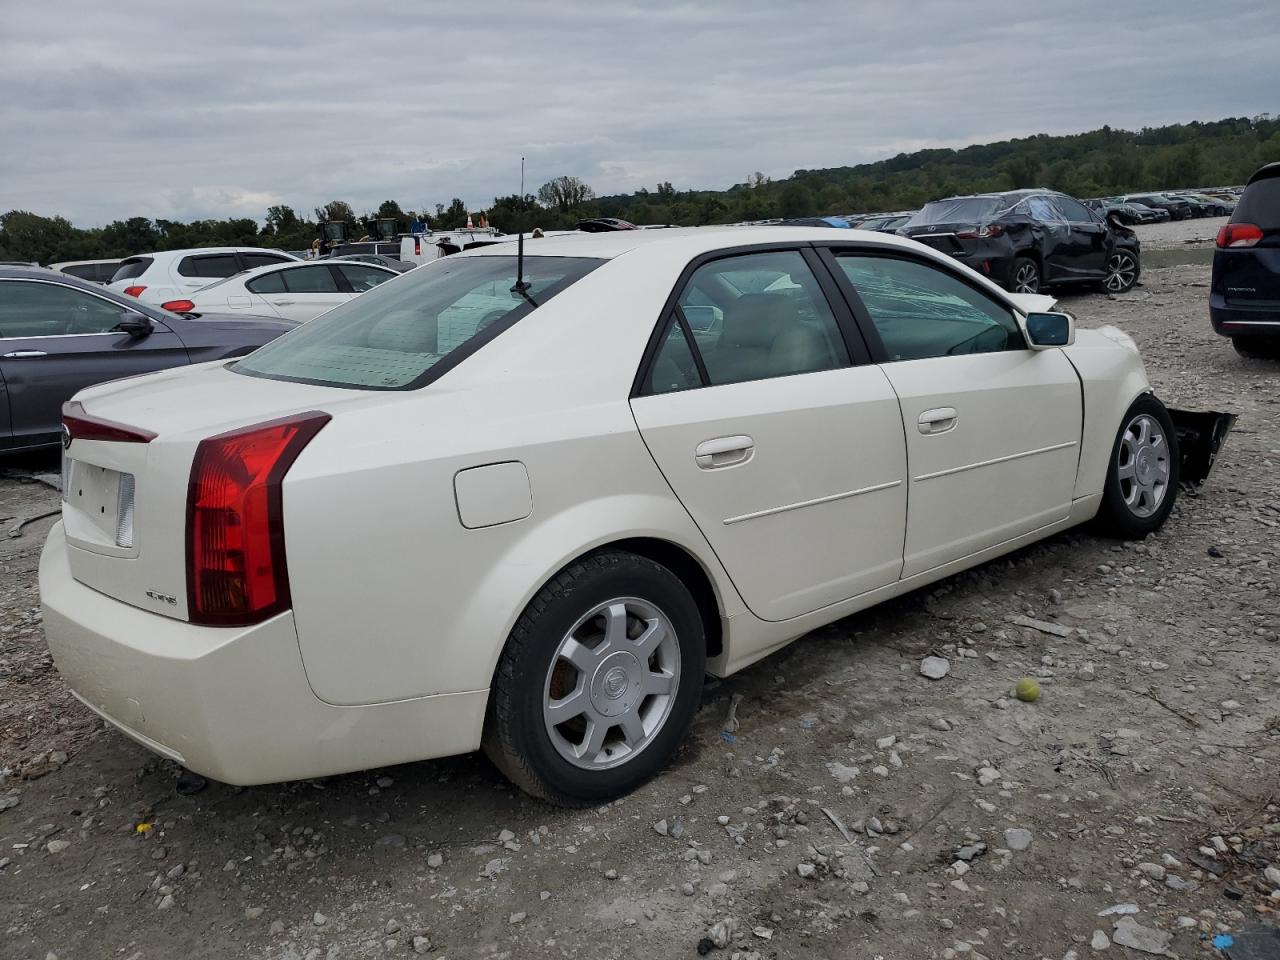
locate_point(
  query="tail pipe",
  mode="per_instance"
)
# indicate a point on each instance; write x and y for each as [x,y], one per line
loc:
[1201,434]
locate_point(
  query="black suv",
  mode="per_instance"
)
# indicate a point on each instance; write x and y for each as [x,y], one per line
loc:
[1244,296]
[1025,240]
[1178,209]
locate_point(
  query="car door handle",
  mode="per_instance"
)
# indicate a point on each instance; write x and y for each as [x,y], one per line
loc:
[724,452]
[24,354]
[282,303]
[938,420]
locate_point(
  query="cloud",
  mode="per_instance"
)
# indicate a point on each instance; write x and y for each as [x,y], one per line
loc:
[155,114]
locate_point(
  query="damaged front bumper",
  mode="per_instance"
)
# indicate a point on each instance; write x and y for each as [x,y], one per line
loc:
[1201,434]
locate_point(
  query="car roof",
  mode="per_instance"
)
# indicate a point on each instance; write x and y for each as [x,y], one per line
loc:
[1265,172]
[196,251]
[693,240]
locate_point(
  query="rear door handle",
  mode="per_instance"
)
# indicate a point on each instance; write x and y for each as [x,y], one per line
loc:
[282,303]
[938,420]
[724,452]
[24,354]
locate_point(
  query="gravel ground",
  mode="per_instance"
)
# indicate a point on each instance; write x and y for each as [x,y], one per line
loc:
[856,808]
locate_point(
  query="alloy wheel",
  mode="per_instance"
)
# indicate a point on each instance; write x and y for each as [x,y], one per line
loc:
[612,683]
[1122,272]
[1142,465]
[1026,279]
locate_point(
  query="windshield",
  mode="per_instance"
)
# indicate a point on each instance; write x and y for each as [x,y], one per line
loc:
[395,336]
[959,210]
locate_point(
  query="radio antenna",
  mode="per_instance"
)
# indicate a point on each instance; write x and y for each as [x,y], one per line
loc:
[522,286]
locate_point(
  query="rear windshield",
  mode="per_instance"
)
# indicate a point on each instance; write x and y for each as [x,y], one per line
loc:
[133,267]
[961,210]
[1260,204]
[402,334]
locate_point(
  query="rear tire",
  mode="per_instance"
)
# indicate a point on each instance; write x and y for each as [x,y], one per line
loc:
[598,682]
[1142,478]
[1025,277]
[1257,348]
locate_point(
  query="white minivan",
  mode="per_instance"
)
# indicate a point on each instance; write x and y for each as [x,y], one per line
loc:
[171,274]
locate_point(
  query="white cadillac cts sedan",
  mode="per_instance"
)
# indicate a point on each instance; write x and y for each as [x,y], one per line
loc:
[528,513]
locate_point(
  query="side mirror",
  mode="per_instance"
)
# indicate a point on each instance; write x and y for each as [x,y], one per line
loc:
[1048,330]
[134,324]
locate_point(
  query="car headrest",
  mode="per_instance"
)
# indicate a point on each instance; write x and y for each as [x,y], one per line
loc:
[405,332]
[754,319]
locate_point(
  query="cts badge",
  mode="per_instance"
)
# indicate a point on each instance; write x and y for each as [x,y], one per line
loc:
[162,597]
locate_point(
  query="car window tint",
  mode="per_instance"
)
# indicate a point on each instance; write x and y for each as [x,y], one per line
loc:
[216,266]
[272,282]
[1260,204]
[922,311]
[131,268]
[362,278]
[313,279]
[34,309]
[392,336]
[252,260]
[767,317]
[673,365]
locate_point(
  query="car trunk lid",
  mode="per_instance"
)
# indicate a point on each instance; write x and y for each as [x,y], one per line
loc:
[125,500]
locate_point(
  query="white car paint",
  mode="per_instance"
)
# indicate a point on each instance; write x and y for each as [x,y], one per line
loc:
[168,274]
[273,290]
[406,580]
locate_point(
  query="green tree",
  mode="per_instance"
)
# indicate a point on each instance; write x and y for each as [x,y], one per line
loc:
[565,194]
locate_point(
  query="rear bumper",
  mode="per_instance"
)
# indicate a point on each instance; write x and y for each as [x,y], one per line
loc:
[1237,321]
[232,704]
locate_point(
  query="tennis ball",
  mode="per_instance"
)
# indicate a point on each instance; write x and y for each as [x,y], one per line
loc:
[1027,689]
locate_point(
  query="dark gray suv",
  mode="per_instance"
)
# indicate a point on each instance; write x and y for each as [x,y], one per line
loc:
[59,334]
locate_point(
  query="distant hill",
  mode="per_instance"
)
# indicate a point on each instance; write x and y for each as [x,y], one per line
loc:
[1098,163]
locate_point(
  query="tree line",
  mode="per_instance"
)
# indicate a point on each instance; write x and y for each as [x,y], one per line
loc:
[1101,162]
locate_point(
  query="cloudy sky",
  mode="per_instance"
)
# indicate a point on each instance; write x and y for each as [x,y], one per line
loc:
[183,110]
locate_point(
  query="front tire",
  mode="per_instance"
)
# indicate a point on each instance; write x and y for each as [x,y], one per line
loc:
[598,682]
[1142,478]
[1026,275]
[1122,272]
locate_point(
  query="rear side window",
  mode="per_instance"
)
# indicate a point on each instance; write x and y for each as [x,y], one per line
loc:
[252,260]
[921,311]
[402,335]
[362,278]
[131,268]
[1260,204]
[85,271]
[314,279]
[267,283]
[215,266]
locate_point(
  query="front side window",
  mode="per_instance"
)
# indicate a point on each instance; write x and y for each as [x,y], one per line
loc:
[215,266]
[1074,210]
[33,309]
[922,311]
[392,337]
[761,315]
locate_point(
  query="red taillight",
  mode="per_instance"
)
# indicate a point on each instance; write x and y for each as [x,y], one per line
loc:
[982,233]
[1239,235]
[135,290]
[178,306]
[417,246]
[236,570]
[80,426]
